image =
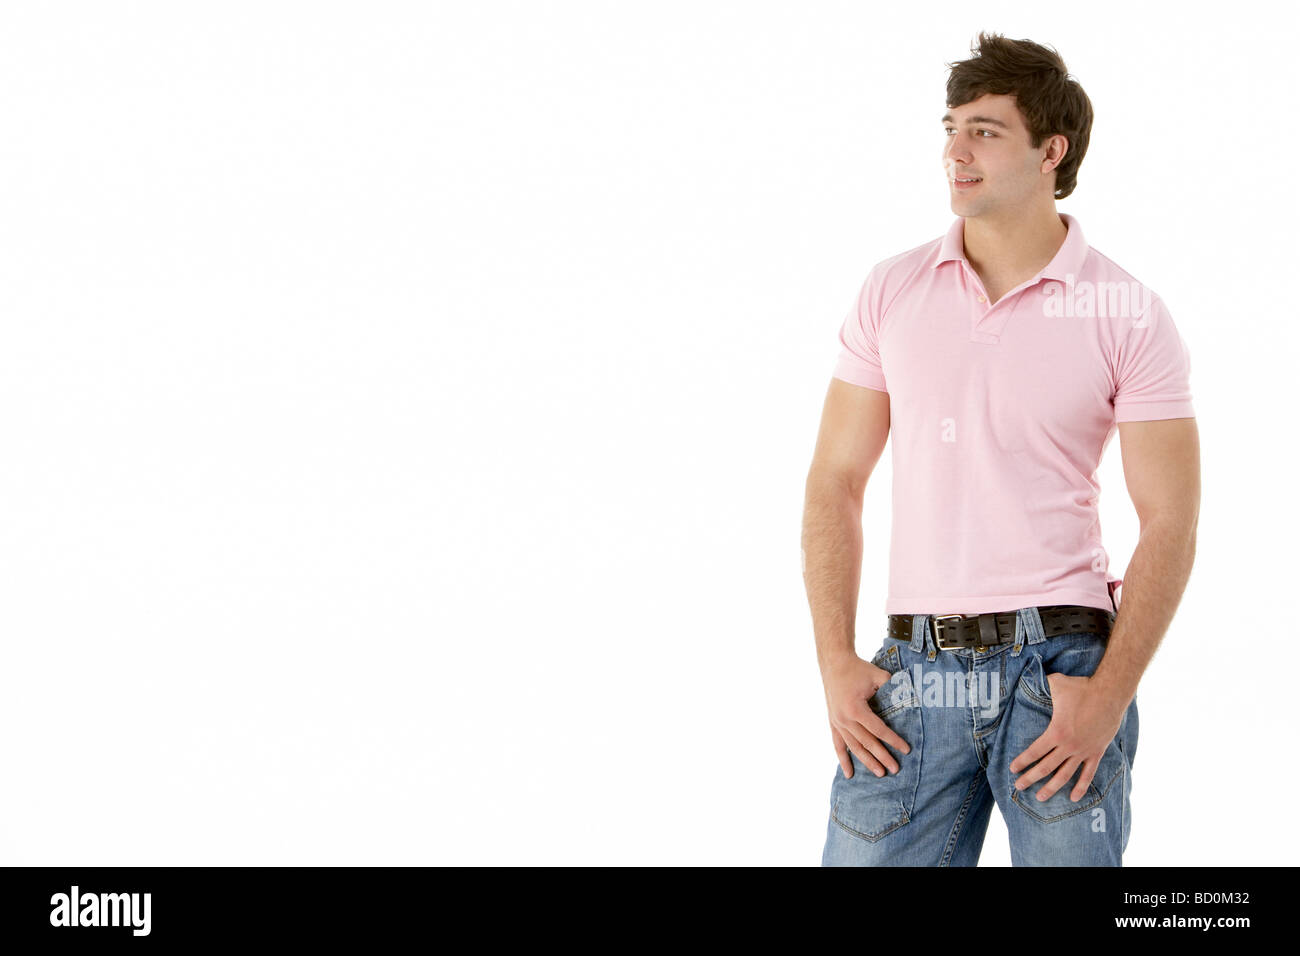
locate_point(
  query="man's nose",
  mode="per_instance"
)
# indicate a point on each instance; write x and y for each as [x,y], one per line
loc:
[953,160]
[956,151]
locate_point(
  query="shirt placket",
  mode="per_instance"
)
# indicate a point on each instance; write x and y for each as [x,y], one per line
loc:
[989,319]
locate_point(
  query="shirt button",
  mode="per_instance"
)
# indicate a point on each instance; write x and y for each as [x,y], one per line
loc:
[981,298]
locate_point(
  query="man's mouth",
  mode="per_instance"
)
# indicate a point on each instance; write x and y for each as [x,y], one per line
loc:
[966,182]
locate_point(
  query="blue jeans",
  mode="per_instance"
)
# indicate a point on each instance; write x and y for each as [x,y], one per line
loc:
[966,715]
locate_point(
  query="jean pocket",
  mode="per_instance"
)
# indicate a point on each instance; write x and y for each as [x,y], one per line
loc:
[1032,713]
[890,655]
[871,807]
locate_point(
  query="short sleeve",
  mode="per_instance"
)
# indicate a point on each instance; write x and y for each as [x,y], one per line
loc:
[859,358]
[1153,370]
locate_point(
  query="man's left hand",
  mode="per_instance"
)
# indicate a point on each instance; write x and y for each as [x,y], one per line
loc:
[1083,722]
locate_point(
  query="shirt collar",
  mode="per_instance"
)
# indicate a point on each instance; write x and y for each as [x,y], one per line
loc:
[1067,261]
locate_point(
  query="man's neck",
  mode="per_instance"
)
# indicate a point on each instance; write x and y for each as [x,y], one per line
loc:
[1013,247]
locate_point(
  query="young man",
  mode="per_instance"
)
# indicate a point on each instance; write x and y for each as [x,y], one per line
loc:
[1002,357]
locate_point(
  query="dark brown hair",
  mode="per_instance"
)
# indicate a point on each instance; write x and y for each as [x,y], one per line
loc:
[1049,99]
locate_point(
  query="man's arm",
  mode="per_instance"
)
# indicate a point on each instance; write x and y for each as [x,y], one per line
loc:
[854,428]
[1162,468]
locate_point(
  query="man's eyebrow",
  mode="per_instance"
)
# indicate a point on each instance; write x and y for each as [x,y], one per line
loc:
[989,120]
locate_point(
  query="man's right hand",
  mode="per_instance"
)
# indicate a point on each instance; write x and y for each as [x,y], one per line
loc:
[850,682]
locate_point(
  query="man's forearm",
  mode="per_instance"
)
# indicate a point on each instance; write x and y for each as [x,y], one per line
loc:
[832,566]
[1153,585]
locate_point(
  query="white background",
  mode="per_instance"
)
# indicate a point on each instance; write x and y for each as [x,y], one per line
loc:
[406,409]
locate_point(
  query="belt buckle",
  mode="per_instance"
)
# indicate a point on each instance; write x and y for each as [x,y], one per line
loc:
[938,631]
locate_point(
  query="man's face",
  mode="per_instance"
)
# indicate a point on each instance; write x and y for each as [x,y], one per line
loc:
[986,139]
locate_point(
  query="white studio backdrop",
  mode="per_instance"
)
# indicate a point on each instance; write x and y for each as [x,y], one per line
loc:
[407,406]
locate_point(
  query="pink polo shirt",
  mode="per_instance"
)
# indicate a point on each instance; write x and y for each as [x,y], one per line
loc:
[999,414]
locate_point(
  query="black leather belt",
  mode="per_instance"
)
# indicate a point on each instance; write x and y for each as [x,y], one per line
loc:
[979,631]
